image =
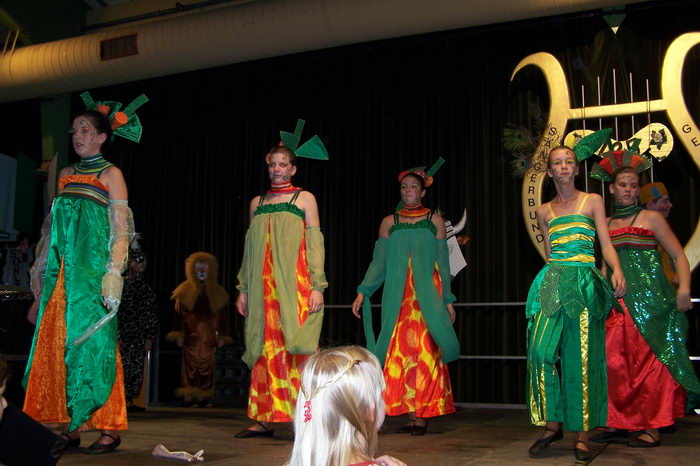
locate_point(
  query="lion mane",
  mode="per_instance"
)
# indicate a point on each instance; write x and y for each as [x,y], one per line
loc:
[188,291]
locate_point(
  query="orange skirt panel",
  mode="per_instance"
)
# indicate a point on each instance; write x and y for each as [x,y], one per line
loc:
[274,379]
[45,399]
[417,381]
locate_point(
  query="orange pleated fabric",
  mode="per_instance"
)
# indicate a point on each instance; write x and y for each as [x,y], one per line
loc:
[45,399]
[274,379]
[416,378]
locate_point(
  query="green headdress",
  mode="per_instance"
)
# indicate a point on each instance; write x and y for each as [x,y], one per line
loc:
[427,177]
[311,149]
[588,145]
[611,161]
[126,123]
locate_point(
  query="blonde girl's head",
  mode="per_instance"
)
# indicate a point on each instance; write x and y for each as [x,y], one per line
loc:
[339,408]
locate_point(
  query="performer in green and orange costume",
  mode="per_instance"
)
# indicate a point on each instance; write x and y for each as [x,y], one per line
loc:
[566,307]
[281,284]
[417,339]
[74,374]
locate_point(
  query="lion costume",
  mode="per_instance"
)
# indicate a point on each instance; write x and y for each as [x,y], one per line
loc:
[200,324]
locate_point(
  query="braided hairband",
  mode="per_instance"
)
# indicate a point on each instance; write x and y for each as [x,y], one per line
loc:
[332,380]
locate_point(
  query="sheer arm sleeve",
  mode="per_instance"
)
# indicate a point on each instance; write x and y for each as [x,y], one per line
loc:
[121,232]
[315,257]
[443,260]
[36,273]
[377,270]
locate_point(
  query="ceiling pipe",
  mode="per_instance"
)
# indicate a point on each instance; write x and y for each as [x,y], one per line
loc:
[250,31]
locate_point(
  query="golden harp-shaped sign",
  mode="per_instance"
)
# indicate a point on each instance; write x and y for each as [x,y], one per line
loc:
[560,113]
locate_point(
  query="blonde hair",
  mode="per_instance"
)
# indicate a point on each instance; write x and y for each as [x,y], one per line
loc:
[339,408]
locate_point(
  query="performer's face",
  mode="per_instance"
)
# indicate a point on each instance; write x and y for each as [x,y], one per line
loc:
[562,166]
[201,270]
[625,189]
[411,190]
[86,140]
[662,205]
[280,168]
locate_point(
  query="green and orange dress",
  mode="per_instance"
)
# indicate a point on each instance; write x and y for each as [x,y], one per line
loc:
[282,264]
[82,385]
[417,339]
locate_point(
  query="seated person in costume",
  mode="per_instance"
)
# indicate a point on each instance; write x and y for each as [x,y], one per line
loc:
[74,374]
[647,358]
[417,339]
[339,410]
[281,284]
[566,307]
[200,325]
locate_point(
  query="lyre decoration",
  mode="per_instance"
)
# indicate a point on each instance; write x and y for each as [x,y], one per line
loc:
[659,138]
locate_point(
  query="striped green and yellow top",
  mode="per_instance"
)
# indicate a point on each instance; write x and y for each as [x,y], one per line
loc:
[572,238]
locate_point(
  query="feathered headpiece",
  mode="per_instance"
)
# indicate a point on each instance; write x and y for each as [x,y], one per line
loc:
[611,161]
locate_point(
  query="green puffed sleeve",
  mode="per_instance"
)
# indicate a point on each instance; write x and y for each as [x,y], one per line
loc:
[443,260]
[374,277]
[315,258]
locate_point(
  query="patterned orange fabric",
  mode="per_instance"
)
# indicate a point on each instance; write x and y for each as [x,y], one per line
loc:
[416,378]
[274,380]
[45,399]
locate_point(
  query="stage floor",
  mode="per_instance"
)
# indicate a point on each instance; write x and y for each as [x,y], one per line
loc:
[471,436]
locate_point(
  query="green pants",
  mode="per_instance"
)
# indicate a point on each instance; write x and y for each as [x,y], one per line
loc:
[580,399]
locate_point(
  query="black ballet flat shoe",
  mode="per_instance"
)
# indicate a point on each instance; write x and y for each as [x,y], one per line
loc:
[613,436]
[636,442]
[248,433]
[543,443]
[407,429]
[103,448]
[420,430]
[582,455]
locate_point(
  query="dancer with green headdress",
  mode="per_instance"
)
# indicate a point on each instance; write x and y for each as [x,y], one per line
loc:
[281,284]
[649,369]
[416,340]
[566,307]
[74,375]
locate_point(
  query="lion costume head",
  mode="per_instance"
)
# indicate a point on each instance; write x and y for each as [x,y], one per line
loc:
[188,291]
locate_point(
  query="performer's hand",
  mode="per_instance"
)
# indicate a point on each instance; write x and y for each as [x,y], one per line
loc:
[386,460]
[357,304]
[148,344]
[180,341]
[618,282]
[683,300]
[242,304]
[315,301]
[451,312]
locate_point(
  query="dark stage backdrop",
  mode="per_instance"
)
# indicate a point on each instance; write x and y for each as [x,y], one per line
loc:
[380,108]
